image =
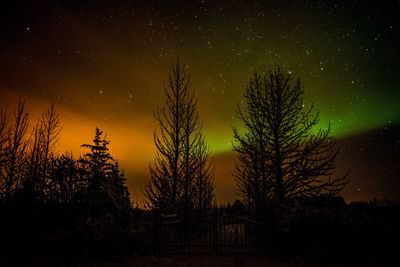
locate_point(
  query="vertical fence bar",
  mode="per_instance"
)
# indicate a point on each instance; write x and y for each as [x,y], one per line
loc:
[211,232]
[156,233]
[215,231]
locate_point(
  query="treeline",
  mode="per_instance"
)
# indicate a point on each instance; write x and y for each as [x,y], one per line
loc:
[31,170]
[56,204]
[285,177]
[278,159]
[327,229]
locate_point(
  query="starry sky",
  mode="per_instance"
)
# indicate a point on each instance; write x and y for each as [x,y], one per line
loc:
[104,63]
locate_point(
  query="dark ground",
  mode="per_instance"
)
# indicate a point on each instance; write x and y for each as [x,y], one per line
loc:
[191,261]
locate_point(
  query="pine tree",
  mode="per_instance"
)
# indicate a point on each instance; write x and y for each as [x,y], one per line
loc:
[106,185]
[122,195]
[98,166]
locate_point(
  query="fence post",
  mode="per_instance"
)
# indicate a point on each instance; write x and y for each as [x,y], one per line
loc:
[215,230]
[157,233]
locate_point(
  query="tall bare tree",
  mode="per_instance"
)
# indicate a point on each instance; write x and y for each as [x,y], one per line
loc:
[14,147]
[278,156]
[198,183]
[42,152]
[204,196]
[181,149]
[4,135]
[4,141]
[51,129]
[252,172]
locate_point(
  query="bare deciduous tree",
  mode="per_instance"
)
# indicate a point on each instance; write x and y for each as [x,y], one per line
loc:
[278,157]
[182,161]
[14,147]
[252,172]
[204,196]
[4,135]
[4,141]
[42,151]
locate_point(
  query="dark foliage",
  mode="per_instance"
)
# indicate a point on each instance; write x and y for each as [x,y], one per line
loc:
[327,229]
[55,204]
[106,192]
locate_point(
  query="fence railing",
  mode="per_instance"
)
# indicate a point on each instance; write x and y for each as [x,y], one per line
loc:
[209,232]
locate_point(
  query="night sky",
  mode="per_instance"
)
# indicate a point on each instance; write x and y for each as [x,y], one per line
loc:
[103,64]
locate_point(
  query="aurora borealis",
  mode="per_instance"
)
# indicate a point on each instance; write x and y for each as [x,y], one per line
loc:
[103,64]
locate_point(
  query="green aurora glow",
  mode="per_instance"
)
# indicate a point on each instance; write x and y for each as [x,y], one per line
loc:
[104,65]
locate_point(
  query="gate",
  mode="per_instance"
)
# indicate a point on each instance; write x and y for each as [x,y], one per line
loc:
[209,232]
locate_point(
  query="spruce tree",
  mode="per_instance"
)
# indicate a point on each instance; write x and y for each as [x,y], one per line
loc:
[98,167]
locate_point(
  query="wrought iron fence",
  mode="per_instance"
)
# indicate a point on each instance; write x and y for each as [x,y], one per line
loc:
[209,232]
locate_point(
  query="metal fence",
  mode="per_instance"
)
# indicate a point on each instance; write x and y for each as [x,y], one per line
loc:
[209,232]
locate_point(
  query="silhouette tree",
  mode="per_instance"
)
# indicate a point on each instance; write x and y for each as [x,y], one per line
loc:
[106,190]
[123,198]
[278,157]
[182,169]
[198,186]
[65,179]
[14,147]
[98,166]
[204,195]
[45,137]
[4,136]
[252,173]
